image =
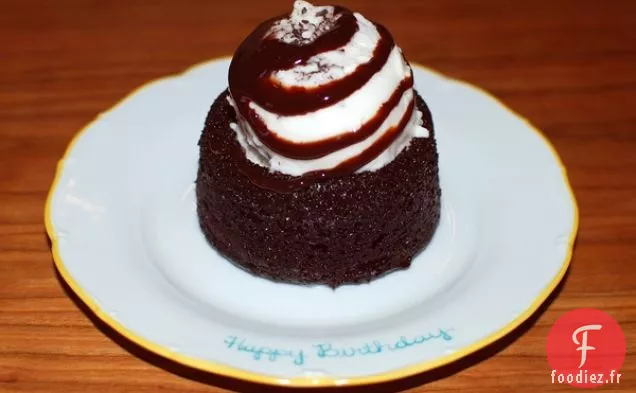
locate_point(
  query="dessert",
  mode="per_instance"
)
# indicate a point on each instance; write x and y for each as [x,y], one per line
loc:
[318,164]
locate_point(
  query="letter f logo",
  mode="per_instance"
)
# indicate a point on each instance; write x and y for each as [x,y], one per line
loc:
[583,344]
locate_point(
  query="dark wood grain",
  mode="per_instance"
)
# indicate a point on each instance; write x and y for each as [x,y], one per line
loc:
[567,65]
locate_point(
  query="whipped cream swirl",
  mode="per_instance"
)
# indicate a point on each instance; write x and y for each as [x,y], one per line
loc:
[322,91]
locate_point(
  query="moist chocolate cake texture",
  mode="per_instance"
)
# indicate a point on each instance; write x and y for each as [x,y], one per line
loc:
[334,230]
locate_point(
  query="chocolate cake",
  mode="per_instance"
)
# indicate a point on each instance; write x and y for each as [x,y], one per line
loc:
[329,208]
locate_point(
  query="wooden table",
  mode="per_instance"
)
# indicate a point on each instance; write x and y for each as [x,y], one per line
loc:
[567,65]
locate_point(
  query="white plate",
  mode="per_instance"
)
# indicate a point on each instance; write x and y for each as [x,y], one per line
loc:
[121,216]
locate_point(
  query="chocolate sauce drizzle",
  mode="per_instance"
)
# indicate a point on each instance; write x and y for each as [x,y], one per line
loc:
[312,150]
[259,56]
[292,184]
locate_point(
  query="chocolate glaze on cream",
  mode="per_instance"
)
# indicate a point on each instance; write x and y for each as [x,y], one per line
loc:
[309,150]
[262,54]
[292,184]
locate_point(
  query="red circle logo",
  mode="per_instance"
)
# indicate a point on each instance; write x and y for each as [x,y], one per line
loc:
[586,348]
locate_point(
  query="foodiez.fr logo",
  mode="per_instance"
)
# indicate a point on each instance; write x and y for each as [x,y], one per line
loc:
[586,348]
